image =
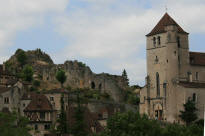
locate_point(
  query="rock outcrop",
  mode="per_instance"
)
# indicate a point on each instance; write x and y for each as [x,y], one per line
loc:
[78,75]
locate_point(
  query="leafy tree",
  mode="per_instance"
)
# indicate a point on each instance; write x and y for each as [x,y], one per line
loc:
[79,127]
[13,125]
[131,124]
[61,77]
[21,57]
[62,128]
[27,73]
[124,75]
[189,114]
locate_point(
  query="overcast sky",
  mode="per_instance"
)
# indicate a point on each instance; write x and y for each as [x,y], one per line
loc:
[107,35]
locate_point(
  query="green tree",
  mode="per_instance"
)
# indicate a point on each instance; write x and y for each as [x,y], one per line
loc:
[21,57]
[189,114]
[79,127]
[61,77]
[62,128]
[13,125]
[27,73]
[131,124]
[124,75]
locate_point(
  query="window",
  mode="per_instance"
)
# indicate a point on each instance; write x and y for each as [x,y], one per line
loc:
[6,100]
[178,42]
[197,75]
[51,98]
[93,85]
[46,126]
[42,115]
[158,84]
[158,38]
[36,127]
[100,116]
[194,97]
[156,59]
[154,41]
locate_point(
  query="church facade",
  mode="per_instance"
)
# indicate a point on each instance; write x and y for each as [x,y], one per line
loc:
[174,74]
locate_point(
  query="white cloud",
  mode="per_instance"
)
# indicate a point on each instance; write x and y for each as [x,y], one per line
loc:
[104,29]
[118,34]
[18,15]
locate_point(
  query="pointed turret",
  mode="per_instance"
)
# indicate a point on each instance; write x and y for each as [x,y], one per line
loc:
[166,20]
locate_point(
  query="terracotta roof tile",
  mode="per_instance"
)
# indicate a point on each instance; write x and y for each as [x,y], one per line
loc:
[39,102]
[165,21]
[197,58]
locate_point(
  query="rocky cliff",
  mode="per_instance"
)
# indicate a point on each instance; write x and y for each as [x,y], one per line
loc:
[78,74]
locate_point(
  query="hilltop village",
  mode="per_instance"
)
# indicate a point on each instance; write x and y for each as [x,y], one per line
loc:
[28,86]
[54,97]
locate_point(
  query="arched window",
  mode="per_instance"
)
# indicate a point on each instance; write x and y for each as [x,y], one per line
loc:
[159,40]
[154,41]
[158,84]
[194,97]
[93,85]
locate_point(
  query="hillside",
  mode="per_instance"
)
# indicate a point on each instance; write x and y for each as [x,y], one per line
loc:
[78,74]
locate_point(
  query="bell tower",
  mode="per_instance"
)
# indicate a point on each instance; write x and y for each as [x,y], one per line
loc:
[166,44]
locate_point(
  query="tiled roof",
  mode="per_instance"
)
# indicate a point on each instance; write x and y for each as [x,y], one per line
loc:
[165,21]
[39,102]
[197,58]
[191,84]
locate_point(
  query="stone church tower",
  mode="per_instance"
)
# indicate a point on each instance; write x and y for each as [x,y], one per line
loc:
[168,70]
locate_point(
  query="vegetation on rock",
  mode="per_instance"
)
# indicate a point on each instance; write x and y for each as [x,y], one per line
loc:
[21,57]
[61,77]
[27,73]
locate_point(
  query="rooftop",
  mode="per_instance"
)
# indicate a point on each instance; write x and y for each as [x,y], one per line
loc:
[197,58]
[166,20]
[39,102]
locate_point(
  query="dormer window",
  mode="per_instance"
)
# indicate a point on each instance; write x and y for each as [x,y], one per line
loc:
[154,41]
[159,40]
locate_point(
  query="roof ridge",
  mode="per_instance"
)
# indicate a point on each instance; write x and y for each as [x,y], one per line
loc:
[165,21]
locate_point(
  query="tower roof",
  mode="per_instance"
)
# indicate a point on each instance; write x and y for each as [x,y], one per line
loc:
[166,20]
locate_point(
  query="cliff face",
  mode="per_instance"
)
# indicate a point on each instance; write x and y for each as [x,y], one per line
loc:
[78,75]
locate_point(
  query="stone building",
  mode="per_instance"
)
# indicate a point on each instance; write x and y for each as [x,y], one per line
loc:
[174,74]
[40,113]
